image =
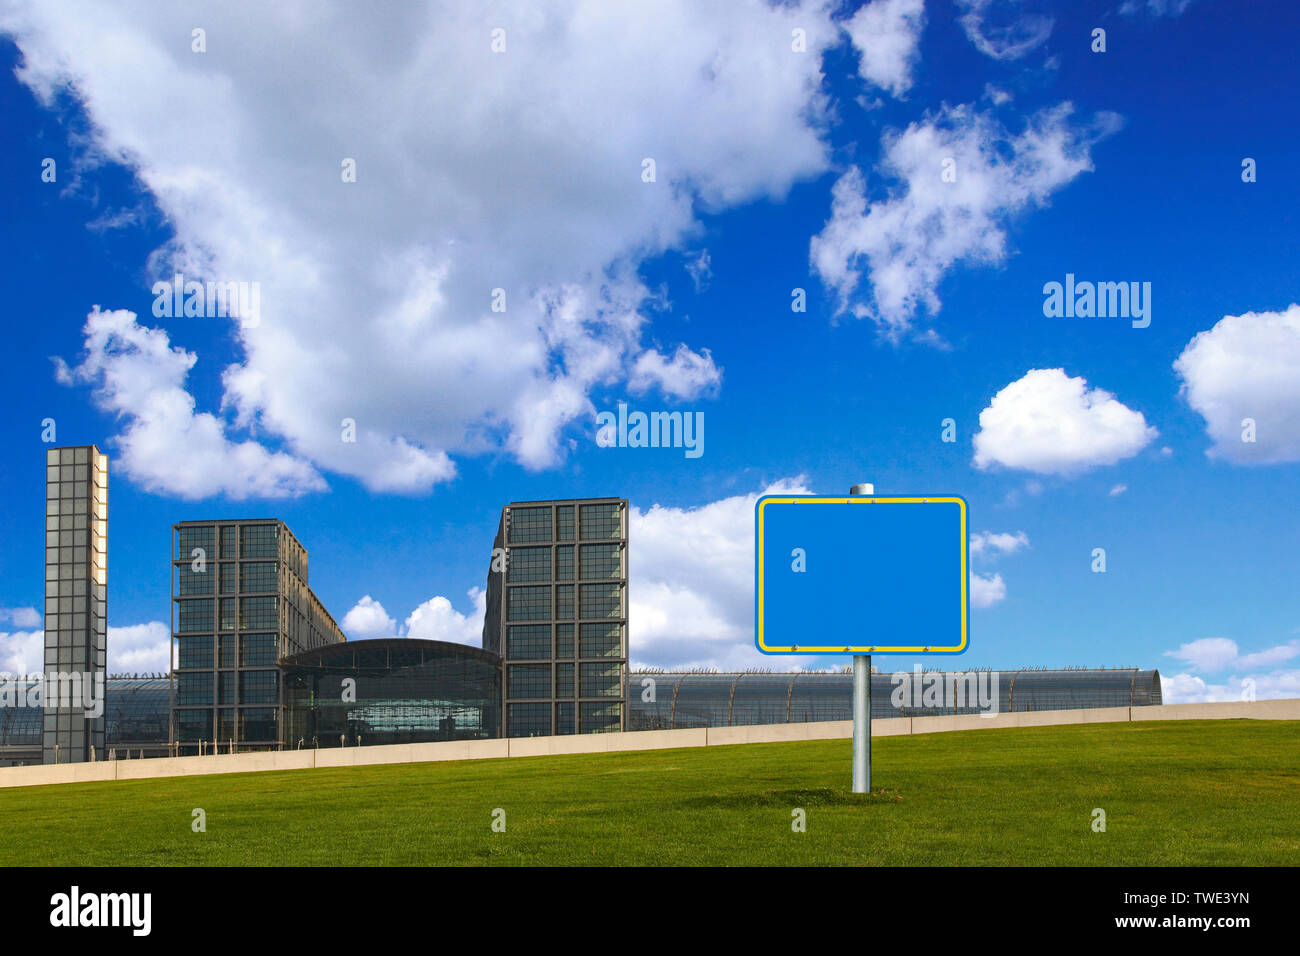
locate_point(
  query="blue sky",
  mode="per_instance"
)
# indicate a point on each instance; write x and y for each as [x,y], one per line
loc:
[776,169]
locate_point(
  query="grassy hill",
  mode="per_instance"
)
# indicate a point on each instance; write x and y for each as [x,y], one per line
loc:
[1174,793]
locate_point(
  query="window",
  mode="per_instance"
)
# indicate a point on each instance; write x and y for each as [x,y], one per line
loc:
[530,524]
[599,717]
[563,680]
[229,583]
[194,688]
[528,642]
[193,725]
[196,616]
[257,576]
[228,620]
[529,604]
[196,582]
[226,650]
[564,717]
[257,724]
[194,651]
[529,564]
[257,613]
[564,523]
[601,640]
[226,687]
[256,650]
[601,679]
[602,600]
[563,600]
[191,538]
[564,640]
[529,720]
[601,521]
[258,541]
[528,681]
[229,545]
[564,563]
[601,561]
[258,687]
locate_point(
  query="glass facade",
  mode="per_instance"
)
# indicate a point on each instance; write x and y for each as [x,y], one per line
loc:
[391,691]
[76,600]
[665,701]
[242,604]
[557,615]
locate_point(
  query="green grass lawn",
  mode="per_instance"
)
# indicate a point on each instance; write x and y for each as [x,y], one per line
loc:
[1175,793]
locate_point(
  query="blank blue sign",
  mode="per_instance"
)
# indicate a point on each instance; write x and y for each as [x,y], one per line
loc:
[860,575]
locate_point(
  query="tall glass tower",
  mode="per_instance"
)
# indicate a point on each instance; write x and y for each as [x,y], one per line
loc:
[557,616]
[76,601]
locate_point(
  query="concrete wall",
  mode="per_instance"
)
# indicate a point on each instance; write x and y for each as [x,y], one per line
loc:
[635,740]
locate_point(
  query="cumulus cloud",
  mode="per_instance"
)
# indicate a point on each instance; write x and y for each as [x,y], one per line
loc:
[133,649]
[885,34]
[1002,29]
[433,620]
[992,544]
[1250,676]
[986,590]
[475,171]
[1050,423]
[139,378]
[912,238]
[686,375]
[1245,368]
[20,617]
[691,584]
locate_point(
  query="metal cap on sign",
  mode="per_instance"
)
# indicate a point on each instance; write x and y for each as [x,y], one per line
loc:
[863,489]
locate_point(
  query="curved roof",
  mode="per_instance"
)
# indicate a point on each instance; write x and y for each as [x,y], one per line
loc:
[385,652]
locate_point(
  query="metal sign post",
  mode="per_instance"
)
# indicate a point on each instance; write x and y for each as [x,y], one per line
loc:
[900,561]
[862,701]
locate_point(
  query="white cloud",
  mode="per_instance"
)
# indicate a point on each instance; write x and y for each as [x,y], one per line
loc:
[433,620]
[22,617]
[367,618]
[700,270]
[140,379]
[139,648]
[1001,29]
[22,652]
[988,543]
[1117,490]
[1245,367]
[1255,675]
[686,375]
[913,238]
[987,590]
[1049,423]
[691,584]
[475,171]
[437,620]
[133,649]
[886,33]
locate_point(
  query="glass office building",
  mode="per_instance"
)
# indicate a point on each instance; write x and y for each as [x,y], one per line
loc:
[557,616]
[76,600]
[398,690]
[241,604]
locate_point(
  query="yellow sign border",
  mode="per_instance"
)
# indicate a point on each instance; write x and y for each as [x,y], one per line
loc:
[861,648]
